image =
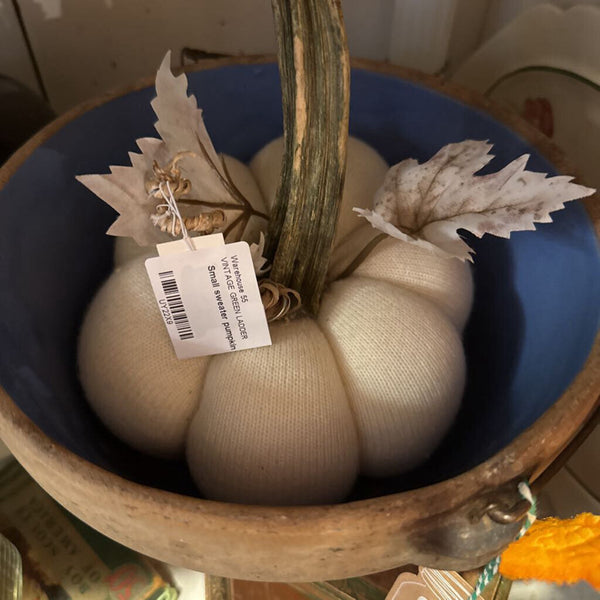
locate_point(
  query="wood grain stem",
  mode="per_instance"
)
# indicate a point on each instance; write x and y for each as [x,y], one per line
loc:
[315,74]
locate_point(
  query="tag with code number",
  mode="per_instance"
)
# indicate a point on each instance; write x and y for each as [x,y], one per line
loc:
[209,300]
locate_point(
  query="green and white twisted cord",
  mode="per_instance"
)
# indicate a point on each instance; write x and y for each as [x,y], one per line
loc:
[492,567]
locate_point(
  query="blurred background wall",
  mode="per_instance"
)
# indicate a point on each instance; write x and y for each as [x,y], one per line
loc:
[70,50]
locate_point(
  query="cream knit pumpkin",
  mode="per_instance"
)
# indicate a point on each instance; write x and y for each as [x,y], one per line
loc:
[370,386]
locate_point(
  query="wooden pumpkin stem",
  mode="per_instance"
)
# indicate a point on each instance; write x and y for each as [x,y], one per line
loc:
[315,81]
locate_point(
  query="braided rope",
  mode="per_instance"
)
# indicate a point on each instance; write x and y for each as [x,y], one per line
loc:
[492,567]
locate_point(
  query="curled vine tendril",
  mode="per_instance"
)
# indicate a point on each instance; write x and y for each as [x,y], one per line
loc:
[279,301]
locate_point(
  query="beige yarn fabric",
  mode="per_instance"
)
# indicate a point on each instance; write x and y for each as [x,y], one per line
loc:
[274,425]
[372,384]
[365,171]
[446,281]
[131,376]
[403,365]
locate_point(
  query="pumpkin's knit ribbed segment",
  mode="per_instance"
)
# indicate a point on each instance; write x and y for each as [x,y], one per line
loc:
[132,378]
[403,365]
[274,425]
[445,281]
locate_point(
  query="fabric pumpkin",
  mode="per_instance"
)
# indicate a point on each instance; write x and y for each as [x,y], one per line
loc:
[369,386]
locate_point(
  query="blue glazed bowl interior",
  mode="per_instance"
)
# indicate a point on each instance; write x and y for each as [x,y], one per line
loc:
[537,300]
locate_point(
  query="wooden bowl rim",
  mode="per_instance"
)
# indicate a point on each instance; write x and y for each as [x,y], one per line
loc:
[528,455]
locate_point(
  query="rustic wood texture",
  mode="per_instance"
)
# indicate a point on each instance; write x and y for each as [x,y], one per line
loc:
[433,526]
[315,81]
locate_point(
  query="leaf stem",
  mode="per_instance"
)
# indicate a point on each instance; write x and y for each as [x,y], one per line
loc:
[241,218]
[226,180]
[251,212]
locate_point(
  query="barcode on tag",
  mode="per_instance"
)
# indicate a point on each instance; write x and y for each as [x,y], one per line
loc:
[175,304]
[209,300]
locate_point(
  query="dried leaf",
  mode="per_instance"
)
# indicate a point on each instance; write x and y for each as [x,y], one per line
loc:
[427,203]
[182,128]
[184,152]
[258,260]
[124,189]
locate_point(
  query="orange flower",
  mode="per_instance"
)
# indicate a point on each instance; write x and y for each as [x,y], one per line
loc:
[560,551]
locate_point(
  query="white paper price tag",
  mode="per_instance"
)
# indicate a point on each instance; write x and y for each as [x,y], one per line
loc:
[199,242]
[209,300]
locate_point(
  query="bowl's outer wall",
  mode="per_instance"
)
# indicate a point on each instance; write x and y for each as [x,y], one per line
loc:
[534,321]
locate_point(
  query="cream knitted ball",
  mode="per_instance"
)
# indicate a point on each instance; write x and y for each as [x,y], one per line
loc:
[370,386]
[274,424]
[130,374]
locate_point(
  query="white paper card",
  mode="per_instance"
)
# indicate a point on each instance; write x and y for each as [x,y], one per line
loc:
[199,242]
[209,300]
[410,587]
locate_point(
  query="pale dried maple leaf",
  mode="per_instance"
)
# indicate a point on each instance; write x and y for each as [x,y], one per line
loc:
[185,146]
[426,204]
[182,128]
[124,189]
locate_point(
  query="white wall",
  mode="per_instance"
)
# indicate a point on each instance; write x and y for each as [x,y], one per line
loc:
[84,47]
[420,33]
[501,12]
[15,61]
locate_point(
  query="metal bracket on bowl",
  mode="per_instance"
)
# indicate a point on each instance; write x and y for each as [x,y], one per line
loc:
[503,506]
[502,514]
[475,532]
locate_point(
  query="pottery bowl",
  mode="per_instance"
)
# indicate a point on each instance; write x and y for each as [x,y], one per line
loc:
[533,360]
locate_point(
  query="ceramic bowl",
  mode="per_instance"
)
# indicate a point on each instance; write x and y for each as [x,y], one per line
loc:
[533,327]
